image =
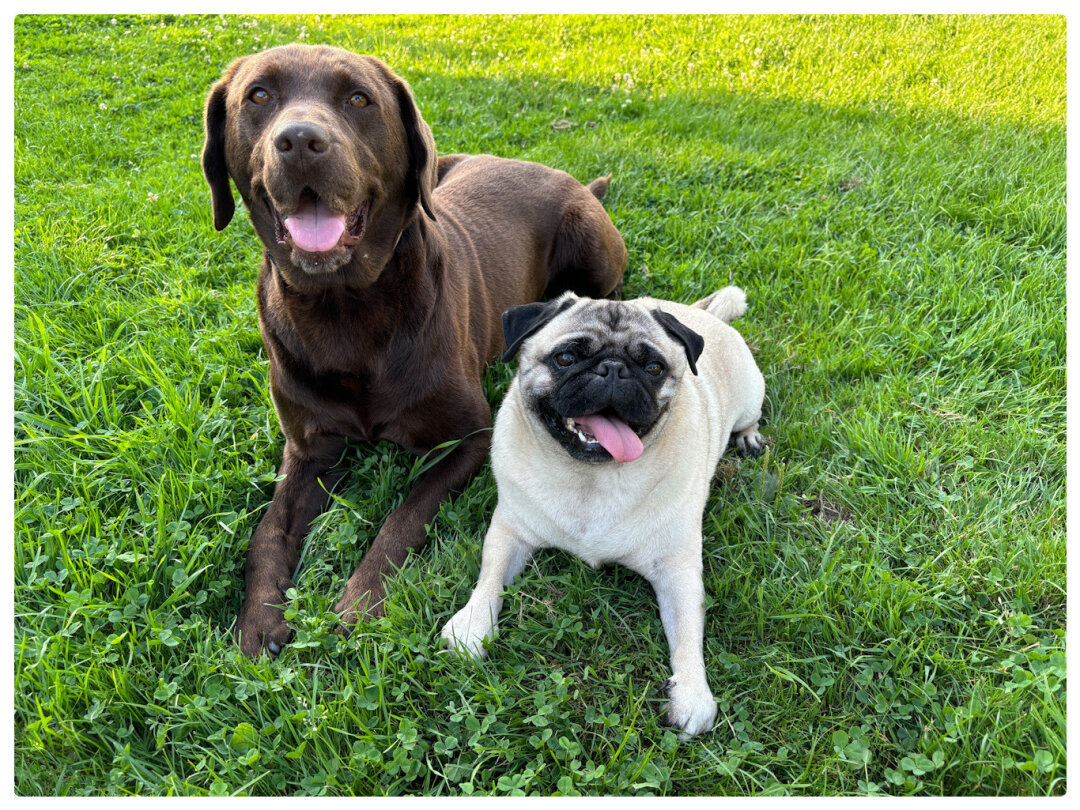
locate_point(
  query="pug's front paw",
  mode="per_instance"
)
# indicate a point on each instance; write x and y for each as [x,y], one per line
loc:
[692,708]
[466,631]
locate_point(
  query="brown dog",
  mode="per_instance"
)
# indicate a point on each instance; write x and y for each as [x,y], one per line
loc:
[385,273]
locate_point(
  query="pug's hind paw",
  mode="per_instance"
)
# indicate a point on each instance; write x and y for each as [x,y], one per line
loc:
[749,443]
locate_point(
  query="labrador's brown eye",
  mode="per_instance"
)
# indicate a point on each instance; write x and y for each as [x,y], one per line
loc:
[259,96]
[358,100]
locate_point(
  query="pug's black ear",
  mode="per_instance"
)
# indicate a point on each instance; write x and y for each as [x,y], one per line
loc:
[692,342]
[521,322]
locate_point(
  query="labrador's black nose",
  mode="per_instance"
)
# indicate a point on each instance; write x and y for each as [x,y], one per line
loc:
[301,138]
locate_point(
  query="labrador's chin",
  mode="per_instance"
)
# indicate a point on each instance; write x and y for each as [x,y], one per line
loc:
[321,263]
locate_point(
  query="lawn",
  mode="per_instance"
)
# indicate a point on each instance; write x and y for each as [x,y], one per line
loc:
[886,586]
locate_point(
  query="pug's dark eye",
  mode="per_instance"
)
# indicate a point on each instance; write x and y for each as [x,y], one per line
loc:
[358,100]
[259,96]
[654,369]
[565,359]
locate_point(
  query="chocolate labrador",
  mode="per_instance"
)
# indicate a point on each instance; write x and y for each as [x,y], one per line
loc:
[384,276]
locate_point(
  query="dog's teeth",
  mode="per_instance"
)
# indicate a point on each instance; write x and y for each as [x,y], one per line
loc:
[585,439]
[572,426]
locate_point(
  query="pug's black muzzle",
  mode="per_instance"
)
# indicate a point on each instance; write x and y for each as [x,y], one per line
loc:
[608,386]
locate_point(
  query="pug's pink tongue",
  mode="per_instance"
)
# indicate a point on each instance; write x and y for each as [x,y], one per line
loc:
[315,226]
[614,435]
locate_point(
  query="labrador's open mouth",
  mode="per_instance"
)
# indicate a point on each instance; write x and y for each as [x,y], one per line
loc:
[314,227]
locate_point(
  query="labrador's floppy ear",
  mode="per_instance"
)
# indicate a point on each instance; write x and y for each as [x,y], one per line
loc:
[692,342]
[423,173]
[522,321]
[213,156]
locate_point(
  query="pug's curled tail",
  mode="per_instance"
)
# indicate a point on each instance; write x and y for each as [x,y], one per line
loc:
[727,304]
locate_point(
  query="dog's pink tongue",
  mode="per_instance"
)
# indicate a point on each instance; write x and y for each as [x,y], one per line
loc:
[614,435]
[315,226]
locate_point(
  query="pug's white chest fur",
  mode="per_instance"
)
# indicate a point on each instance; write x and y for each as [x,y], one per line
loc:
[601,513]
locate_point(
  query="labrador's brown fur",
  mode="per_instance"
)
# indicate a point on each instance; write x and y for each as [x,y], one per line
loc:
[384,336]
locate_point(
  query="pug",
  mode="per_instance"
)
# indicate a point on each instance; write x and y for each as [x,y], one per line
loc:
[605,446]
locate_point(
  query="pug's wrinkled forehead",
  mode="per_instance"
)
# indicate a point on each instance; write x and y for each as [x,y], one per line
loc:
[605,323]
[598,325]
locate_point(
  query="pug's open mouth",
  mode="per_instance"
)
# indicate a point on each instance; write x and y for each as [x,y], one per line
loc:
[606,430]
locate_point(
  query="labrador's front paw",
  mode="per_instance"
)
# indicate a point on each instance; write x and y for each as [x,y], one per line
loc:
[261,624]
[360,601]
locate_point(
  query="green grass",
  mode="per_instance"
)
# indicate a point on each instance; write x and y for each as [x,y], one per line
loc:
[886,609]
